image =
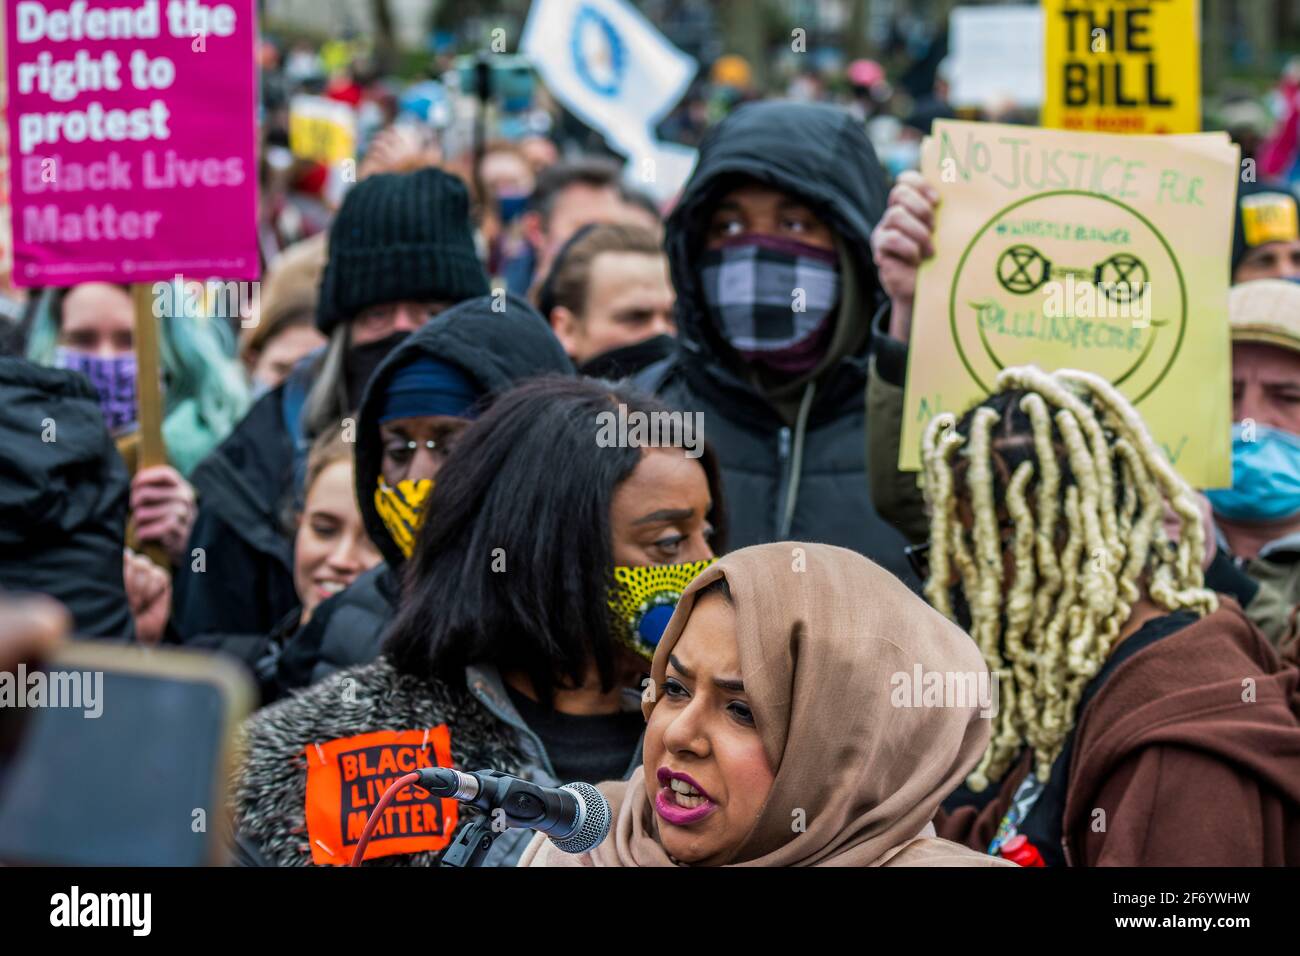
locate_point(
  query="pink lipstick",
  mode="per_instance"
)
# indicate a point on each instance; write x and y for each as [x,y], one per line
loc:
[670,810]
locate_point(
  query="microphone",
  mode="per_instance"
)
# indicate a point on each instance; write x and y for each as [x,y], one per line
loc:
[575,817]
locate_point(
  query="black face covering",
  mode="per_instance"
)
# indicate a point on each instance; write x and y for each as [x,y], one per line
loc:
[362,360]
[627,360]
[960,609]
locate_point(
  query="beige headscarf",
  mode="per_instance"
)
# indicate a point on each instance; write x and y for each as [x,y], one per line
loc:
[822,632]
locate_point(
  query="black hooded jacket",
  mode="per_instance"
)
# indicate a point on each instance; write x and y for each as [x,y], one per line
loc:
[63,497]
[496,350]
[813,468]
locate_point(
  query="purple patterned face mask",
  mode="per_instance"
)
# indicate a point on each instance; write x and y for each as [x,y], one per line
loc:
[114,380]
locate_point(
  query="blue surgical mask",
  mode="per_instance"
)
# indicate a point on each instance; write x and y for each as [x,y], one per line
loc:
[1265,477]
[510,206]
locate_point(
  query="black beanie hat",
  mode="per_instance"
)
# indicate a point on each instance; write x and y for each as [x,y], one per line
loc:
[400,237]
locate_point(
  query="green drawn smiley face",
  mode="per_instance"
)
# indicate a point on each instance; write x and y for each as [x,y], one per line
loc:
[1069,279]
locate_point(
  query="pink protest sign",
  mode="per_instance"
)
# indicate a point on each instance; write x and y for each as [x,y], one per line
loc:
[131,139]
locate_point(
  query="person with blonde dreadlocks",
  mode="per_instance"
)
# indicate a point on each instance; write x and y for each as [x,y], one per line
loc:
[1142,719]
[1162,761]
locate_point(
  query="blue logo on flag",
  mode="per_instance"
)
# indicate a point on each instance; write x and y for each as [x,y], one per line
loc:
[597,50]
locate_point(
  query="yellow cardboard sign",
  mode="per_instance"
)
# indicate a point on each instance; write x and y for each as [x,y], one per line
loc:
[1122,66]
[1080,250]
[322,129]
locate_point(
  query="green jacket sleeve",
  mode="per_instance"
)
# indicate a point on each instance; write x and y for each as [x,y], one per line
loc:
[895,494]
[1268,591]
[1275,608]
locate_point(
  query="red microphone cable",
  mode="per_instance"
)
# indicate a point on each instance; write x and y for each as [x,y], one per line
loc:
[380,807]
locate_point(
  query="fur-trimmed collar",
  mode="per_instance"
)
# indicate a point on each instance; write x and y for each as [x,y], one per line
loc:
[270,790]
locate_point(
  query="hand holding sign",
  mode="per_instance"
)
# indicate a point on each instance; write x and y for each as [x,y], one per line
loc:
[900,242]
[148,592]
[163,507]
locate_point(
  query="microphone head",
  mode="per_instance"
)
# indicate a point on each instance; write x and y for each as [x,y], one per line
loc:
[593,820]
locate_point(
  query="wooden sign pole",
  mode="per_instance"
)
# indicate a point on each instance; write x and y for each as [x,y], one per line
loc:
[149,401]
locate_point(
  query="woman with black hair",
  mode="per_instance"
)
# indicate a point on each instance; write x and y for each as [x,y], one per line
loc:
[559,534]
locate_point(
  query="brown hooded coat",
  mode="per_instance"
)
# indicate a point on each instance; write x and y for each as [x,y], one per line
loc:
[1188,755]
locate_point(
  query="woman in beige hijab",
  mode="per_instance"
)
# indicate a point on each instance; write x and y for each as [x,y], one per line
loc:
[778,731]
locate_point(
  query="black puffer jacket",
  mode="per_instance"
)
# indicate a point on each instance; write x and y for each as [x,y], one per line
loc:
[63,497]
[239,581]
[803,479]
[496,349]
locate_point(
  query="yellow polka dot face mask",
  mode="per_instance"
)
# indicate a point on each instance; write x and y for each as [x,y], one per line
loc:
[401,508]
[644,599]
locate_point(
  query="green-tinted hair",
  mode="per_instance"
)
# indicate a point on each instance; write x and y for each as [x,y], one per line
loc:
[205,390]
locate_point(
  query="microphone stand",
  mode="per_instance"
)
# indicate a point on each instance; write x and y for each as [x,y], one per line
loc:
[471,844]
[523,804]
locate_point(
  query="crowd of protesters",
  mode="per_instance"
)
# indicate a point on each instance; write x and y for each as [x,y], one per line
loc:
[390,480]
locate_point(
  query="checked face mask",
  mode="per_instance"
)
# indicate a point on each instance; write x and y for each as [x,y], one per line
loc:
[772,299]
[644,599]
[401,508]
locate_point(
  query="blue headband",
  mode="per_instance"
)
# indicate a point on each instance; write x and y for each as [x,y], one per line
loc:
[429,387]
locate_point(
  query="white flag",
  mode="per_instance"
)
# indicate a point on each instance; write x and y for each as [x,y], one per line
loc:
[659,168]
[608,65]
